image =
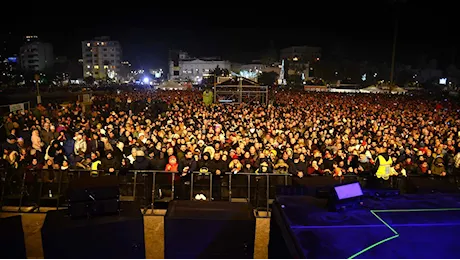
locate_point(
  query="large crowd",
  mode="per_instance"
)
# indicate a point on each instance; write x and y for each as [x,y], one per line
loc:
[299,133]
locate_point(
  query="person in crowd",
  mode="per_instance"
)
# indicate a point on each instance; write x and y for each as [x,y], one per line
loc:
[110,164]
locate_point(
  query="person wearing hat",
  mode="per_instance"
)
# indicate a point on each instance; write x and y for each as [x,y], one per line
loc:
[10,143]
[110,164]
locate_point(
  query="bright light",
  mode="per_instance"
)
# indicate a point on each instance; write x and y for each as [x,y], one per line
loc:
[443,81]
[363,77]
[295,59]
[146,80]
[248,74]
[317,59]
[88,44]
[375,74]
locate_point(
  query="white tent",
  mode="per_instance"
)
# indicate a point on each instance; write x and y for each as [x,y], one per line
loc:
[398,90]
[371,89]
[171,85]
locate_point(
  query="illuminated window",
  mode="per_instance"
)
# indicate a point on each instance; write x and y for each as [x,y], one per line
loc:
[96,67]
[106,67]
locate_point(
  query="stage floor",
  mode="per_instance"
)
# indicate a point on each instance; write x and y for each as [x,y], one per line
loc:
[413,233]
[153,232]
[392,228]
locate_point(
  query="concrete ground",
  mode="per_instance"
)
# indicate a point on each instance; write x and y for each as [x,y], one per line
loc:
[153,231]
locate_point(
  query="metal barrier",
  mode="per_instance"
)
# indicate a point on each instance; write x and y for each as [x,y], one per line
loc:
[33,189]
[259,176]
[200,176]
[150,193]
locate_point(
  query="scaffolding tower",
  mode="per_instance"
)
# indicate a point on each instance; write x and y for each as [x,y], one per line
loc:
[238,90]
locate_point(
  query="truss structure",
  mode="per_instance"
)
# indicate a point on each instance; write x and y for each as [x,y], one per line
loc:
[240,90]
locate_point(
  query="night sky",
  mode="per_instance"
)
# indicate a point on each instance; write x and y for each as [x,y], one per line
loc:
[354,29]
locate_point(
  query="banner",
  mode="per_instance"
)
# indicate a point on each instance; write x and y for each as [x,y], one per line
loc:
[16,107]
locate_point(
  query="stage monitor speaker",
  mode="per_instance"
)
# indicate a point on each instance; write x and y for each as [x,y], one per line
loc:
[318,186]
[216,229]
[12,243]
[345,196]
[115,236]
[94,196]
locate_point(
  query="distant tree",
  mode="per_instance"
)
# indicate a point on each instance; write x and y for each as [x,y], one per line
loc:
[217,71]
[295,80]
[90,80]
[208,81]
[268,78]
[226,72]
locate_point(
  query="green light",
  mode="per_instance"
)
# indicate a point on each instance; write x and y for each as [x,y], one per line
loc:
[372,246]
[396,234]
[384,222]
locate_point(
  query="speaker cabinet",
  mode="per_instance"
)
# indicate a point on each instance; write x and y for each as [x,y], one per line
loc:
[115,236]
[12,243]
[216,229]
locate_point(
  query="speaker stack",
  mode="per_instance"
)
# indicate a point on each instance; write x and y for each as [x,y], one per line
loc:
[217,229]
[96,225]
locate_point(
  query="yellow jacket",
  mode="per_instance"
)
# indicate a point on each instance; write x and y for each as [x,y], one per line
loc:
[384,170]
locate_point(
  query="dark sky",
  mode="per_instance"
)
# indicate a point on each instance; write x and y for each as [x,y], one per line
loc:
[357,29]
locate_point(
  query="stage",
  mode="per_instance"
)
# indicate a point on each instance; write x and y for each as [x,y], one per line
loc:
[406,226]
[153,233]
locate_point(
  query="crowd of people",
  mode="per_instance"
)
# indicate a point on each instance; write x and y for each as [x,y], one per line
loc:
[299,133]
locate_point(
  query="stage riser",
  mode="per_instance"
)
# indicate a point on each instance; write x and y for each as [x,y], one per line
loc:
[153,234]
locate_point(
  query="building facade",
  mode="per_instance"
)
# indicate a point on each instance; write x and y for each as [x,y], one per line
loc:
[101,58]
[36,56]
[184,68]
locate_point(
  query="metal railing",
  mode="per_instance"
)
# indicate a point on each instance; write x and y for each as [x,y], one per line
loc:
[259,178]
[33,189]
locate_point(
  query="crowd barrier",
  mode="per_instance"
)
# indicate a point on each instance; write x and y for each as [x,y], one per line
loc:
[262,185]
[29,190]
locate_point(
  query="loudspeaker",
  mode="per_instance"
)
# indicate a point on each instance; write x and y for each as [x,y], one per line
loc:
[215,229]
[94,196]
[115,236]
[319,186]
[12,243]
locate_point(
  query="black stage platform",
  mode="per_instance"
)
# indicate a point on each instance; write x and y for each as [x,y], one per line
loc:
[405,226]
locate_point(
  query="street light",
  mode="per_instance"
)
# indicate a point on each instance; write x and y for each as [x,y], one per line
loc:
[39,98]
